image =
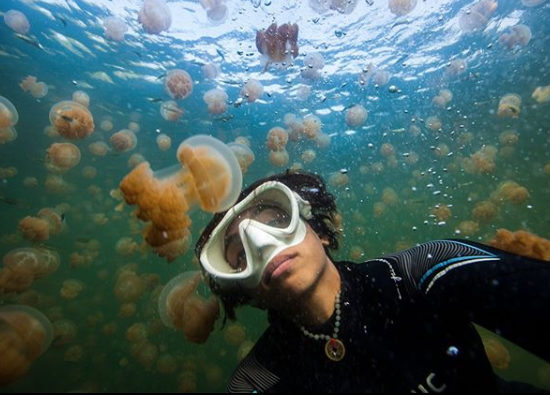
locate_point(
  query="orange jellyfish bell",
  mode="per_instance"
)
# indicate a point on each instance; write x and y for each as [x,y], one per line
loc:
[210,176]
[72,120]
[278,44]
[181,308]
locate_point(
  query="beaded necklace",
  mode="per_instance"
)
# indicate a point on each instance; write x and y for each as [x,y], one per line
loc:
[334,348]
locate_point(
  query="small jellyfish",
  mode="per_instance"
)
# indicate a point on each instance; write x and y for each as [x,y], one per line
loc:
[181,308]
[134,126]
[277,44]
[356,116]
[456,67]
[17,21]
[541,94]
[125,246]
[71,288]
[433,123]
[313,63]
[72,120]
[129,287]
[123,140]
[155,16]
[475,18]
[252,90]
[244,155]
[443,98]
[401,7]
[114,28]
[178,84]
[216,10]
[234,334]
[164,142]
[7,134]
[99,148]
[210,70]
[312,126]
[277,139]
[8,113]
[518,36]
[62,157]
[135,159]
[338,179]
[89,172]
[167,364]
[509,106]
[303,92]
[106,125]
[308,156]
[387,150]
[170,110]
[216,99]
[279,158]
[81,97]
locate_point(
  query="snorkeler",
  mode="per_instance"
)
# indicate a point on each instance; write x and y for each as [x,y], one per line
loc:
[400,323]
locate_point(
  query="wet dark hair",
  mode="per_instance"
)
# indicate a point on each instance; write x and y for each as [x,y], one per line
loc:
[310,187]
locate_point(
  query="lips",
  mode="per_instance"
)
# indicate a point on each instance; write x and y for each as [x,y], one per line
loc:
[274,264]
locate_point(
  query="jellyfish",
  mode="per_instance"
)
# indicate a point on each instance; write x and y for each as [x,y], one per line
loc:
[322,140]
[72,120]
[209,175]
[234,334]
[389,197]
[25,334]
[338,179]
[39,90]
[508,137]
[509,106]
[24,265]
[518,36]
[456,67]
[81,97]
[522,243]
[476,17]
[356,116]
[252,90]
[7,134]
[8,113]
[134,126]
[135,159]
[441,212]
[512,192]
[164,142]
[127,310]
[155,16]
[125,246]
[62,157]
[181,308]
[106,125]
[443,98]
[30,182]
[167,364]
[277,44]
[99,148]
[279,158]
[433,123]
[312,126]
[387,150]
[178,84]
[342,6]
[47,222]
[123,140]
[467,228]
[114,28]
[216,10]
[308,156]
[71,288]
[313,63]
[303,92]
[401,7]
[277,139]
[541,94]
[244,155]
[170,110]
[216,99]
[17,21]
[64,332]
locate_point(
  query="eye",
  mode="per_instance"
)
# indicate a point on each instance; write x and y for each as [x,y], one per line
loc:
[240,262]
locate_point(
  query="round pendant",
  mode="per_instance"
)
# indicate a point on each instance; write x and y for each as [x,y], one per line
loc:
[335,350]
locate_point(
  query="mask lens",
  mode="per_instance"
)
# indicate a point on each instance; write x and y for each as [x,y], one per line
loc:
[267,213]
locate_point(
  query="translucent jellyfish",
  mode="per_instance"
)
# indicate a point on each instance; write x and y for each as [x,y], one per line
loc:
[180,307]
[134,126]
[178,84]
[125,246]
[303,92]
[378,76]
[106,125]
[252,90]
[433,123]
[170,110]
[387,150]
[23,265]
[312,126]
[81,97]
[313,63]
[456,67]
[73,353]
[279,158]
[277,138]
[277,44]
[441,150]
[167,364]
[127,310]
[216,99]
[342,6]
[390,197]
[34,229]
[522,243]
[155,16]
[135,159]
[71,288]
[475,18]
[441,212]
[356,253]
[509,106]
[497,353]
[244,155]
[356,116]
[216,10]
[129,286]
[401,7]
[39,90]
[8,113]
[322,140]
[234,334]
[443,98]
[99,148]
[164,142]
[7,134]
[27,83]
[209,175]
[242,140]
[338,179]
[512,192]
[468,228]
[518,36]
[72,120]
[30,182]
[25,334]
[64,332]
[145,353]
[114,28]
[123,140]
[62,157]
[8,172]
[17,21]
[308,156]
[508,137]
[541,94]
[89,172]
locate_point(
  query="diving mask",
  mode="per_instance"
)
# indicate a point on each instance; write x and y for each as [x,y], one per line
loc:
[252,233]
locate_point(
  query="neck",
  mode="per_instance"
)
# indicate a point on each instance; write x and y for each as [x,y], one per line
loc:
[316,305]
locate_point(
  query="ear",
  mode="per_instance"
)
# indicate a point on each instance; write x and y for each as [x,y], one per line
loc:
[325,242]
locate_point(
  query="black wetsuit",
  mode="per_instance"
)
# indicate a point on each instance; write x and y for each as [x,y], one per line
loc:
[406,323]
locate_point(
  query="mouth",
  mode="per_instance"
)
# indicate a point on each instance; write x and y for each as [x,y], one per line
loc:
[274,264]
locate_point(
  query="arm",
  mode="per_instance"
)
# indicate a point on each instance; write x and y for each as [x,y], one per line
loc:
[506,293]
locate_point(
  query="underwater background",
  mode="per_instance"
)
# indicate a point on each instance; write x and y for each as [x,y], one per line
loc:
[440,155]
